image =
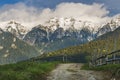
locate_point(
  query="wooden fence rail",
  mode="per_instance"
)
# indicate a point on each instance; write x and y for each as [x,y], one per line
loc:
[111,58]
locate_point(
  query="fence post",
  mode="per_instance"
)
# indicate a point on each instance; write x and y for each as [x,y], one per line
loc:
[63,59]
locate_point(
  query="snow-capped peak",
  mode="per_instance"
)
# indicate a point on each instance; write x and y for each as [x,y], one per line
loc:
[115,22]
[67,23]
[15,28]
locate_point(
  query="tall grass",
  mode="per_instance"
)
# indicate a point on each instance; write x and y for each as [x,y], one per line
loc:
[26,70]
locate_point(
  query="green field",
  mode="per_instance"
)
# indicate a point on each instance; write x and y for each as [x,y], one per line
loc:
[26,70]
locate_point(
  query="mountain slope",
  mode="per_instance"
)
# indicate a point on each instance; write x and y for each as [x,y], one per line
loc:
[13,50]
[105,44]
[67,32]
[48,39]
[112,34]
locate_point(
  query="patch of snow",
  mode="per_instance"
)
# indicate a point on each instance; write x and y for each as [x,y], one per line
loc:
[1,47]
[13,46]
[6,55]
[14,39]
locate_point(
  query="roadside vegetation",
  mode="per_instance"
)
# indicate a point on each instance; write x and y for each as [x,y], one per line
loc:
[113,70]
[109,67]
[28,70]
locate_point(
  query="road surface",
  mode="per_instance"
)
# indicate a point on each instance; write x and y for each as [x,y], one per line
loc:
[73,72]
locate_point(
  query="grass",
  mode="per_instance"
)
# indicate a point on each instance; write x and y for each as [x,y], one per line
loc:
[26,70]
[113,70]
[109,67]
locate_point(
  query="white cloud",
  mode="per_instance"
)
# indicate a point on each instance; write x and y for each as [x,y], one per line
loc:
[19,12]
[32,16]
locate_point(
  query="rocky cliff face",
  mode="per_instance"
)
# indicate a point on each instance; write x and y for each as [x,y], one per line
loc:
[59,37]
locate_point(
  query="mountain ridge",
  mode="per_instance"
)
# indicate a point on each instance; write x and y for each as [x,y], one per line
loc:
[61,30]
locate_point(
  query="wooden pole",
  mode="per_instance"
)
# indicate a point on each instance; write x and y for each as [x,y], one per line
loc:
[63,58]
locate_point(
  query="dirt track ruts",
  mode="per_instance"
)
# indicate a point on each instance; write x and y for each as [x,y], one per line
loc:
[73,72]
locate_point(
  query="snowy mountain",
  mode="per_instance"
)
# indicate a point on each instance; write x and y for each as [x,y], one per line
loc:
[48,37]
[15,28]
[63,31]
[109,26]
[67,23]
[68,32]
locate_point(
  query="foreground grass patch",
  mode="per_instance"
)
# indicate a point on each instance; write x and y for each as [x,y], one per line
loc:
[26,70]
[113,70]
[109,67]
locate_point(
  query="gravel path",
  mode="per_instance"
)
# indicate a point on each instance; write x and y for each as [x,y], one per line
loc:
[73,72]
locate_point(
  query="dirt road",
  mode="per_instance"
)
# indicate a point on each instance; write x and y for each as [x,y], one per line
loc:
[73,72]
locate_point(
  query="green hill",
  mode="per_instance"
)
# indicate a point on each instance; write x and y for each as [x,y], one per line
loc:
[13,50]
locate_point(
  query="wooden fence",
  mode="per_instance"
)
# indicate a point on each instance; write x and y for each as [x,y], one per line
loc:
[111,58]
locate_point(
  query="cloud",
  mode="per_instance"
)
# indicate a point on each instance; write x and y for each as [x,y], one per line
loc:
[31,16]
[19,12]
[112,5]
[83,11]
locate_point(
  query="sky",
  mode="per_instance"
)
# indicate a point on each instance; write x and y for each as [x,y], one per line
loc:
[112,5]
[38,11]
